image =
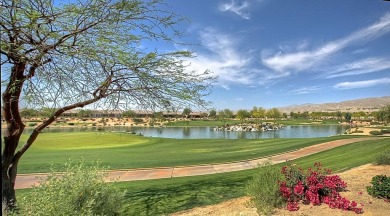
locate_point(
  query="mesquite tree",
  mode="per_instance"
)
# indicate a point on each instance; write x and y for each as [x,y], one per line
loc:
[75,53]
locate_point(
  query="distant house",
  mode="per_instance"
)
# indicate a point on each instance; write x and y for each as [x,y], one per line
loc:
[106,114]
[143,113]
[172,114]
[71,113]
[197,114]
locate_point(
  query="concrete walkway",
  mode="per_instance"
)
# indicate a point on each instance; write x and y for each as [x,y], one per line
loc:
[27,180]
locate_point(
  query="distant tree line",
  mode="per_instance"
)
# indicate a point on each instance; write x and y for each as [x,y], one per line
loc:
[257,113]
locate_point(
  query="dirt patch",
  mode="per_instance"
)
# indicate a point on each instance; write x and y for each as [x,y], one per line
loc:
[357,179]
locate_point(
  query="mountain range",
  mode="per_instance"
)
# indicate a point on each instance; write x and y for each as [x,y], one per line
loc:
[364,104]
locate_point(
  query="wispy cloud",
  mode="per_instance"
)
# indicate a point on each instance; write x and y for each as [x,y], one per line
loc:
[306,90]
[362,84]
[306,59]
[363,66]
[222,58]
[240,9]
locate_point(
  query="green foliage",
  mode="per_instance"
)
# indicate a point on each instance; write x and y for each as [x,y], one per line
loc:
[81,190]
[385,131]
[47,111]
[375,132]
[28,113]
[380,187]
[348,117]
[258,112]
[213,113]
[138,120]
[84,113]
[383,158]
[384,114]
[186,112]
[129,114]
[243,114]
[32,124]
[273,113]
[264,189]
[226,113]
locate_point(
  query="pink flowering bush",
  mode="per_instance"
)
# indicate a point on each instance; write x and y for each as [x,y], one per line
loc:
[314,186]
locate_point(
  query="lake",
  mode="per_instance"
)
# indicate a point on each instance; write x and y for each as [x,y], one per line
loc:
[298,131]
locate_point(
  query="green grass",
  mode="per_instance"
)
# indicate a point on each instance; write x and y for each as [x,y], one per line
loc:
[307,121]
[164,196]
[120,151]
[159,197]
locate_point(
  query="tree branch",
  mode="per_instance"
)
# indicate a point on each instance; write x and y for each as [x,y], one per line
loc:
[46,123]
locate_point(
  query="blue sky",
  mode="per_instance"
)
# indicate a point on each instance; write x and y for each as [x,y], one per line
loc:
[278,53]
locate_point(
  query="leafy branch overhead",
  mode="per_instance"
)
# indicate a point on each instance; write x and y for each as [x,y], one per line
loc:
[98,49]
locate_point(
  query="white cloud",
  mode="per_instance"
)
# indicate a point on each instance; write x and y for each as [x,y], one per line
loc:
[239,9]
[362,84]
[307,59]
[223,59]
[363,66]
[306,90]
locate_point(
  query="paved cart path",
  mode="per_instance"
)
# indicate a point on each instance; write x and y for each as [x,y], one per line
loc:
[28,180]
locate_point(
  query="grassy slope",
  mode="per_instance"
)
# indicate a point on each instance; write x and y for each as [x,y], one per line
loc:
[118,151]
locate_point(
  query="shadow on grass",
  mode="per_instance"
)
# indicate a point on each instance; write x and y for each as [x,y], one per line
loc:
[177,195]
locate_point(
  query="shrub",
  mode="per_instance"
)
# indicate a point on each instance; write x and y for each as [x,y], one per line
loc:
[138,120]
[385,131]
[380,187]
[314,186]
[264,190]
[80,190]
[376,133]
[71,123]
[32,124]
[383,158]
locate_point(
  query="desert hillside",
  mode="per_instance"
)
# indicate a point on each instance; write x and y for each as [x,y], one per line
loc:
[365,104]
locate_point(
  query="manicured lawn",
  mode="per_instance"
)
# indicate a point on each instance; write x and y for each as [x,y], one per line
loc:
[159,197]
[307,121]
[119,151]
[164,196]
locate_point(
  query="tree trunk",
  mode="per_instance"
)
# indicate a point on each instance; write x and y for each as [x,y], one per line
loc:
[8,177]
[11,135]
[9,168]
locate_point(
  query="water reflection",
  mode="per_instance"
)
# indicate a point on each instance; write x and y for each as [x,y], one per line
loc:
[301,131]
[186,132]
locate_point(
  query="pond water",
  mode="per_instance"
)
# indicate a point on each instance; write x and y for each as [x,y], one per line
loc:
[299,131]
